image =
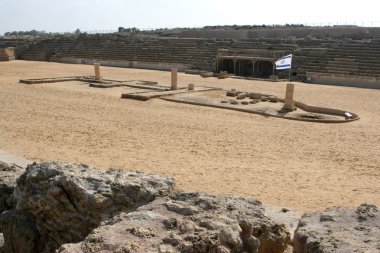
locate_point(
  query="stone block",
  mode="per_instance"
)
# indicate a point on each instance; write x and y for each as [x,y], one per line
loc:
[255,95]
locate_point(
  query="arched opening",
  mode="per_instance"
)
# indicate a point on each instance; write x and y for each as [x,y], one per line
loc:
[244,68]
[263,69]
[227,65]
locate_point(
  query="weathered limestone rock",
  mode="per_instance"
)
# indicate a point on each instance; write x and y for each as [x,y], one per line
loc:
[255,95]
[189,222]
[273,99]
[231,93]
[68,201]
[223,75]
[241,95]
[190,86]
[339,230]
[207,74]
[8,175]
[20,228]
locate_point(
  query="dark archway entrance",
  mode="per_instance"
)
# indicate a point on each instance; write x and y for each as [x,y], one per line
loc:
[257,63]
[263,69]
[244,68]
[228,65]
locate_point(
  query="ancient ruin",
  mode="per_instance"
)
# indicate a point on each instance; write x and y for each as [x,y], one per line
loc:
[263,104]
[64,207]
[339,55]
[289,104]
[76,208]
[97,72]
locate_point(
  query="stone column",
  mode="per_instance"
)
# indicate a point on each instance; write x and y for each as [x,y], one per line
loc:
[97,72]
[253,68]
[289,102]
[235,67]
[174,79]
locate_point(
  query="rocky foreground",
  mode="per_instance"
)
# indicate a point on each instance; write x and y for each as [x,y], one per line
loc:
[54,207]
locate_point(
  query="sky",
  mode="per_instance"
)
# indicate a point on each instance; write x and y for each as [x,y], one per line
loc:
[89,15]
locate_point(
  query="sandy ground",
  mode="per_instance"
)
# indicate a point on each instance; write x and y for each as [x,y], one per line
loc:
[304,166]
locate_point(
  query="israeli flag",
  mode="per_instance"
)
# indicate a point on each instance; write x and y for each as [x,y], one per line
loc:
[284,62]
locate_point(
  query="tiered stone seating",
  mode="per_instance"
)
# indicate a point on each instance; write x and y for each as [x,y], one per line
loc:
[329,56]
[4,43]
[356,58]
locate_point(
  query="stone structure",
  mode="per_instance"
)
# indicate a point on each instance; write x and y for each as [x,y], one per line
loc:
[7,54]
[289,104]
[320,59]
[339,230]
[97,72]
[248,62]
[60,203]
[8,175]
[174,77]
[190,222]
[69,208]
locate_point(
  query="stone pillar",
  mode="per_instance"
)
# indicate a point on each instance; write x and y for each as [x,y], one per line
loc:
[289,102]
[253,68]
[97,72]
[235,67]
[174,79]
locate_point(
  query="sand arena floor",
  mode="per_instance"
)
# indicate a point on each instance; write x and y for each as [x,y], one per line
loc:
[304,166]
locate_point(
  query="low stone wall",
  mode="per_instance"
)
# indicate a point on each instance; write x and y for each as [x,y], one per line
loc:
[125,64]
[344,80]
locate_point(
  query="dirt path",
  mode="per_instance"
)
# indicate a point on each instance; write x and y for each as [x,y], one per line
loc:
[300,165]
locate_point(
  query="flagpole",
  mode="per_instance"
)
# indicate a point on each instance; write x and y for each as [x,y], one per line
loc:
[290,70]
[283,63]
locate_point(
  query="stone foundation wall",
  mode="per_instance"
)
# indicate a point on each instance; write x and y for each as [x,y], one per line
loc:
[344,80]
[124,64]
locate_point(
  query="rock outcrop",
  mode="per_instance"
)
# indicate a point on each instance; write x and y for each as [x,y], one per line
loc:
[339,230]
[55,207]
[8,176]
[189,223]
[62,203]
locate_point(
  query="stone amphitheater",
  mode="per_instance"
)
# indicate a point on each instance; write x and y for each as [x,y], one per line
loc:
[341,56]
[183,150]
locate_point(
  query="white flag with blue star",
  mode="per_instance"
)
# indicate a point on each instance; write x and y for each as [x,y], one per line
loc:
[284,62]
